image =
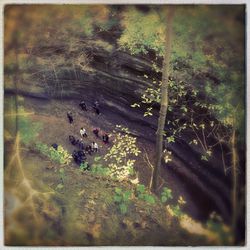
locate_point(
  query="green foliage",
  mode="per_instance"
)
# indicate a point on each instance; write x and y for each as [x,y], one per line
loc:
[59,186]
[176,210]
[140,188]
[62,174]
[60,155]
[122,198]
[208,41]
[170,139]
[28,129]
[83,166]
[42,148]
[124,146]
[142,194]
[141,32]
[216,225]
[98,168]
[62,179]
[166,195]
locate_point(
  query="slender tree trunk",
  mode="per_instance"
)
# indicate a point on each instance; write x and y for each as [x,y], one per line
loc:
[16,79]
[234,184]
[169,16]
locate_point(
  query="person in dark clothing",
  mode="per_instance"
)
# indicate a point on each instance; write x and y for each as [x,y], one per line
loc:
[55,146]
[96,131]
[81,144]
[70,117]
[83,106]
[96,107]
[79,157]
[96,104]
[77,142]
[72,140]
[97,110]
[75,156]
[105,138]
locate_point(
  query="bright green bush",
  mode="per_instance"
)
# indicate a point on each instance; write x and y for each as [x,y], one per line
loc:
[27,128]
[60,155]
[98,168]
[215,224]
[142,194]
[166,195]
[122,198]
[62,179]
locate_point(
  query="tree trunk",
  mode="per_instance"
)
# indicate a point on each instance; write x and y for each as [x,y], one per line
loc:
[16,79]
[169,16]
[234,184]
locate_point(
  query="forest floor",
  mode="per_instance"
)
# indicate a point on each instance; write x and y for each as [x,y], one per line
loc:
[56,129]
[84,212]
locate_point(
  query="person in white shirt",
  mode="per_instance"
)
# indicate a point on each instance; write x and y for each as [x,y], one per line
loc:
[83,132]
[94,146]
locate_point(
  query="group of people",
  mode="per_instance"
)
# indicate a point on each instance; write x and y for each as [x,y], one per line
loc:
[79,155]
[83,106]
[95,106]
[105,137]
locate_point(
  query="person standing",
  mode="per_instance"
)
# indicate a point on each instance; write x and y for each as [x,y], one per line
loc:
[83,106]
[83,132]
[96,131]
[70,117]
[96,107]
[105,138]
[94,146]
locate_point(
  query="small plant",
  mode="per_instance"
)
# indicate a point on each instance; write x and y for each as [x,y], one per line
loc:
[215,224]
[60,186]
[62,174]
[28,129]
[42,148]
[84,166]
[122,199]
[60,155]
[177,210]
[62,178]
[166,195]
[98,169]
[174,210]
[143,195]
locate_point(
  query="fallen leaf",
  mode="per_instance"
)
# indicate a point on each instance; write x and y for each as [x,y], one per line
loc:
[95,230]
[81,192]
[92,202]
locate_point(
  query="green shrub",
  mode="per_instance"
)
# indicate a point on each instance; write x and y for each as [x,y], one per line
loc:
[142,194]
[98,168]
[62,174]
[215,224]
[60,155]
[122,198]
[62,178]
[28,129]
[176,210]
[83,166]
[166,195]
